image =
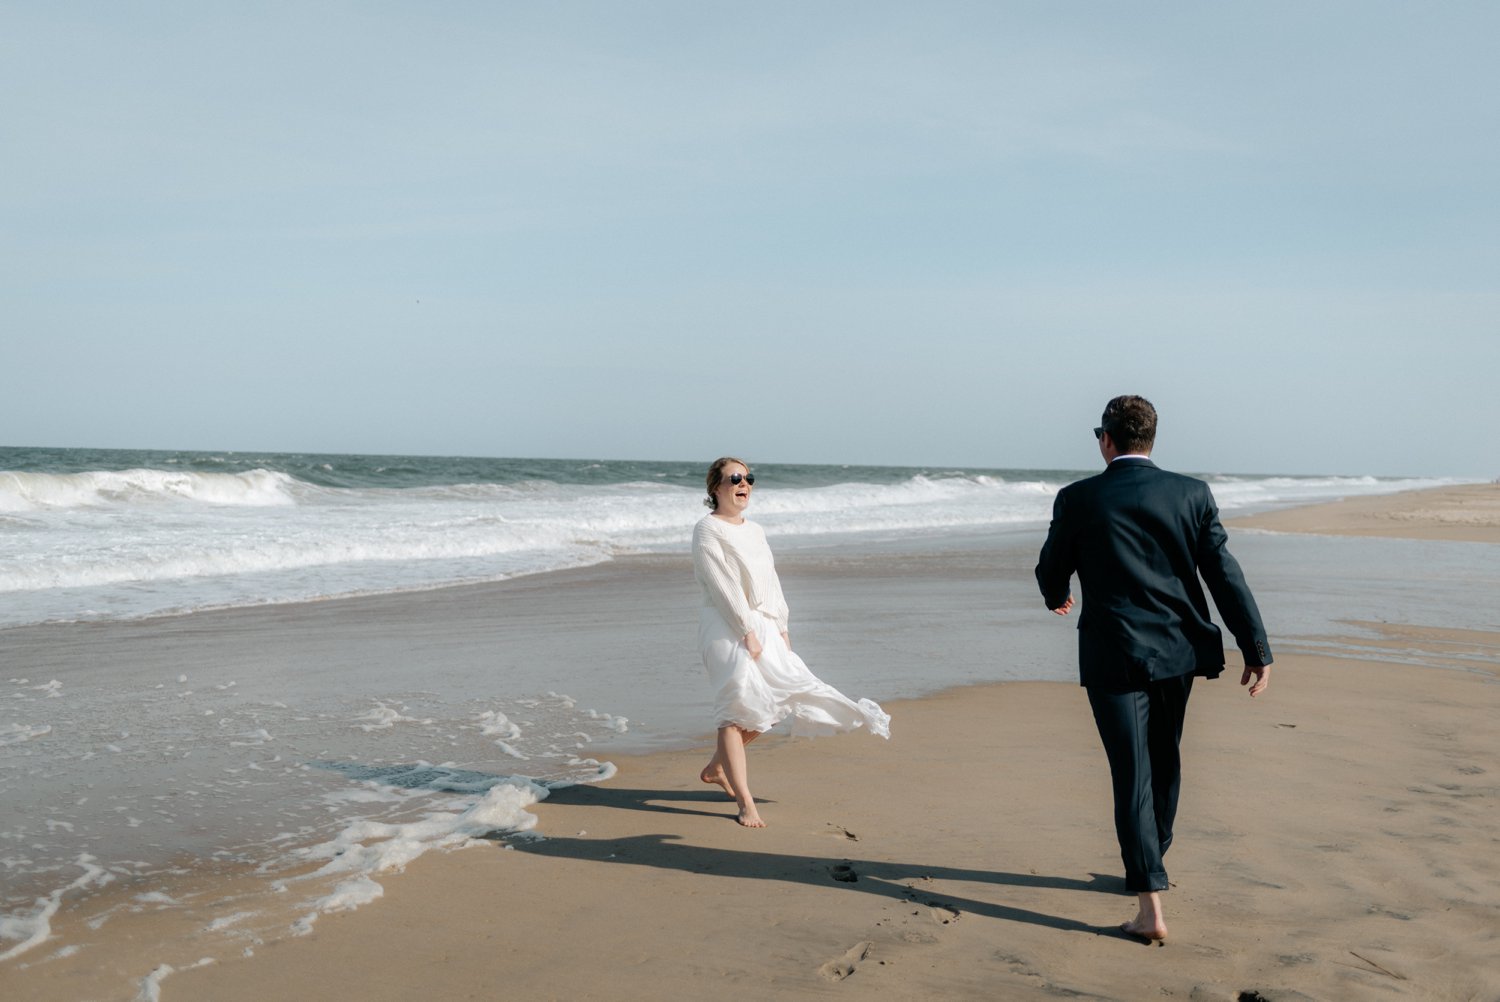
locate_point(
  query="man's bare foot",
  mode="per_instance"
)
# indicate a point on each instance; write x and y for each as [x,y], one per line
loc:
[750,818]
[713,773]
[1143,928]
[1148,923]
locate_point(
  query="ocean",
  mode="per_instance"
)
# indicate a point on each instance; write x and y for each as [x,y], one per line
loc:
[184,696]
[112,534]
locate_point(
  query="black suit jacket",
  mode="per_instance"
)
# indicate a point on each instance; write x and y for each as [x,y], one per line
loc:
[1139,537]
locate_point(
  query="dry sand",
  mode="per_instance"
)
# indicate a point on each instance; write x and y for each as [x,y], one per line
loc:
[1339,839]
[1468,513]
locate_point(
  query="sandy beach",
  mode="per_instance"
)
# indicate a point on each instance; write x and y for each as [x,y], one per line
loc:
[1466,513]
[1338,837]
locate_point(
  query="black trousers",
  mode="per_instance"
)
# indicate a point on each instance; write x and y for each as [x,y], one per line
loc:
[1141,730]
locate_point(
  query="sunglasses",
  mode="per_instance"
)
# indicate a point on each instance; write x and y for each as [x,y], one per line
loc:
[735,478]
[1099,432]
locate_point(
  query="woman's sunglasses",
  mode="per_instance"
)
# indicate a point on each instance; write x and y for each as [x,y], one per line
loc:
[735,478]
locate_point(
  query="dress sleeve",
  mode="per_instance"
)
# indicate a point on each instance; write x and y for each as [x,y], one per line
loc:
[778,607]
[719,581]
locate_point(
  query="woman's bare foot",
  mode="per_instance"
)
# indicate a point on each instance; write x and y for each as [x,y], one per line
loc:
[750,818]
[727,769]
[713,773]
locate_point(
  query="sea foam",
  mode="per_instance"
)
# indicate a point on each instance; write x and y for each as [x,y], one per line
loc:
[32,928]
[23,491]
[144,541]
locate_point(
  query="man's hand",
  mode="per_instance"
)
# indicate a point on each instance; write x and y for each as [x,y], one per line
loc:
[1262,675]
[1065,608]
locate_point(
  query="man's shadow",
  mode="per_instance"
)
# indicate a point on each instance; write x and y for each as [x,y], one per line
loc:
[896,881]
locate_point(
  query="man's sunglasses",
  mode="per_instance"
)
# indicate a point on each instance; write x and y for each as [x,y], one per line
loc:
[1099,432]
[735,478]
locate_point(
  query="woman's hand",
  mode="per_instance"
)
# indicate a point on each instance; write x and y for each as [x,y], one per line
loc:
[752,644]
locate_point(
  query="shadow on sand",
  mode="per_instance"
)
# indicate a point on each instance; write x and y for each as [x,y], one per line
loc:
[897,881]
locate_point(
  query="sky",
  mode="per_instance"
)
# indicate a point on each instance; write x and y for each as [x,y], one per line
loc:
[936,233]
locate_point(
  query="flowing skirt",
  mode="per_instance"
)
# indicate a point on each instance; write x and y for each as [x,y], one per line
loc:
[759,694]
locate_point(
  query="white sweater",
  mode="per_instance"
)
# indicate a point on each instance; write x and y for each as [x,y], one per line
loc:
[733,564]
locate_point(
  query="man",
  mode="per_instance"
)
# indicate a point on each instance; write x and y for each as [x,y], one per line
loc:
[1139,538]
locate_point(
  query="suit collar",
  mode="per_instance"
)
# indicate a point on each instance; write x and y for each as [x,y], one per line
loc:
[1121,462]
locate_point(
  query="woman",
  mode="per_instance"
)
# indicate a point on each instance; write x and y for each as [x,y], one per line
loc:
[742,634]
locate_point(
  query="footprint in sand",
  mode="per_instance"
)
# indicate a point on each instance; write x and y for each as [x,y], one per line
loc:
[843,873]
[943,914]
[841,967]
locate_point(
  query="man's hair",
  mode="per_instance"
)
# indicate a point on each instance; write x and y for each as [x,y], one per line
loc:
[1131,422]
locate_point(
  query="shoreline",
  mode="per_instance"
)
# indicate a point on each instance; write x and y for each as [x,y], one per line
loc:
[989,872]
[986,859]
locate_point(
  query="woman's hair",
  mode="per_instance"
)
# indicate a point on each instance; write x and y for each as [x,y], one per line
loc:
[716,477]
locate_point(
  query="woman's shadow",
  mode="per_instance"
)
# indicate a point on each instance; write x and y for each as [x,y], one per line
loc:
[897,881]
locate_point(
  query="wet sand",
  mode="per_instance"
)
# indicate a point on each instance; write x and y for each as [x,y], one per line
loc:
[1337,839]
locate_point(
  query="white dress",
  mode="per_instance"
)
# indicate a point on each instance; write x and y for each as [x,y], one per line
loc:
[742,595]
